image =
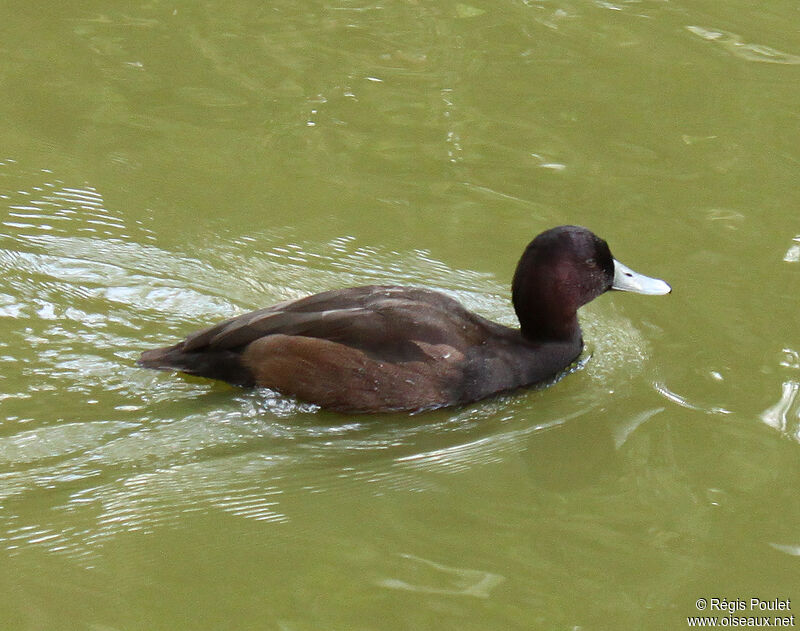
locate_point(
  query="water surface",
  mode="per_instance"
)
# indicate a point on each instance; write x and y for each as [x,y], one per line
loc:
[166,166]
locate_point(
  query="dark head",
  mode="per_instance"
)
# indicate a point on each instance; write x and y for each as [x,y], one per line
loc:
[561,270]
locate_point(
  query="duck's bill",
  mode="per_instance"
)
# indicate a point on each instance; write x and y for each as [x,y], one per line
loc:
[625,279]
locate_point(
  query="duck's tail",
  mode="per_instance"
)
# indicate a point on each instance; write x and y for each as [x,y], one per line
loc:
[225,365]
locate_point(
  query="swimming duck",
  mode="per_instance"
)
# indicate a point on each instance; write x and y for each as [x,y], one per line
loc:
[384,348]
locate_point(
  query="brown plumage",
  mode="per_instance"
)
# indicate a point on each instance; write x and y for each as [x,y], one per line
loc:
[386,348]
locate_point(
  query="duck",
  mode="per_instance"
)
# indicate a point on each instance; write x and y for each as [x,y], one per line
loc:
[385,348]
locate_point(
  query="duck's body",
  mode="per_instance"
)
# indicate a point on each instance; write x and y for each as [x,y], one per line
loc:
[385,348]
[366,349]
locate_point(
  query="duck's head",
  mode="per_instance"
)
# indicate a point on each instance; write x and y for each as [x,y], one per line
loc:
[562,269]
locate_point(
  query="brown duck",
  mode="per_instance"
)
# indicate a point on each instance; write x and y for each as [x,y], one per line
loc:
[384,348]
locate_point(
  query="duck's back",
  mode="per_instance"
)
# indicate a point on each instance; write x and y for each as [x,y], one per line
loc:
[373,348]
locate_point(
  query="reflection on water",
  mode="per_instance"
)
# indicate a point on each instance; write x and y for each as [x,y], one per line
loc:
[785,414]
[684,402]
[793,253]
[733,43]
[434,578]
[111,448]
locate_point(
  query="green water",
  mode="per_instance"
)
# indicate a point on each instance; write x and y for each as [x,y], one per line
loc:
[166,165]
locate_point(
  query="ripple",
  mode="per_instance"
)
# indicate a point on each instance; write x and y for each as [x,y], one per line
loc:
[108,448]
[429,577]
[684,402]
[733,43]
[485,450]
[793,253]
[791,359]
[791,550]
[44,443]
[785,414]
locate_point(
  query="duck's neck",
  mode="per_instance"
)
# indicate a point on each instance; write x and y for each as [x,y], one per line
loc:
[540,320]
[546,312]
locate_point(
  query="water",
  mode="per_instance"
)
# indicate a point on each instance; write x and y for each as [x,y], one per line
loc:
[166,166]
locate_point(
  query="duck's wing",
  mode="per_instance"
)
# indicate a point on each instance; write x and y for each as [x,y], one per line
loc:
[389,323]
